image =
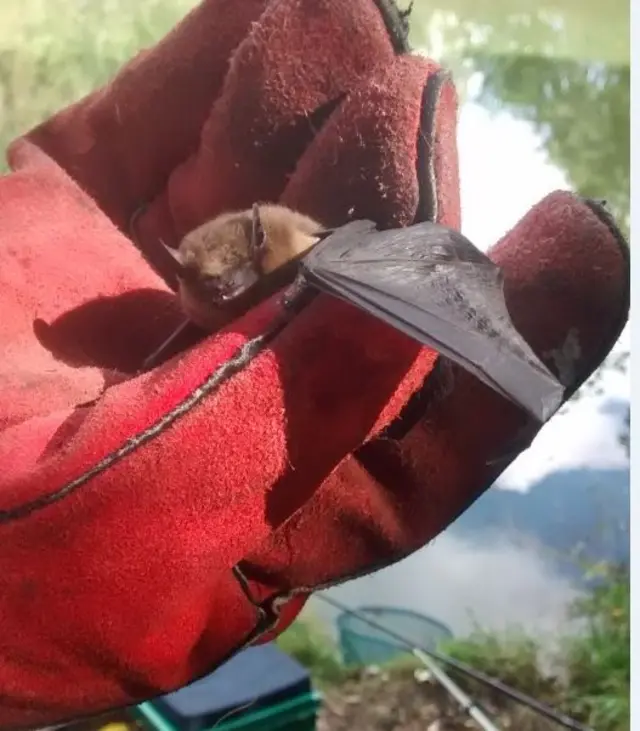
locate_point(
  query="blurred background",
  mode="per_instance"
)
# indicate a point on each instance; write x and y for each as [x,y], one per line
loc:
[544,90]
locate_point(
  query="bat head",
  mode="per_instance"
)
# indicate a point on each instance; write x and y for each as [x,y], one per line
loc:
[222,258]
[221,261]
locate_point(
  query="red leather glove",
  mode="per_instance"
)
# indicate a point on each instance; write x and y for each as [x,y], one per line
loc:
[153,525]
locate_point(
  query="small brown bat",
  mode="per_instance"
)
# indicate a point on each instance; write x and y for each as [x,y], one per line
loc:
[425,280]
[222,259]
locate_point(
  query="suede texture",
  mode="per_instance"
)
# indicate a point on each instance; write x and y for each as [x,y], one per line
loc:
[154,524]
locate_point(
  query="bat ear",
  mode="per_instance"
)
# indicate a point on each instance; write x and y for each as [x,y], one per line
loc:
[175,258]
[258,234]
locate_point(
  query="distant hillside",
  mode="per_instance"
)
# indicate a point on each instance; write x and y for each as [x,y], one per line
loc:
[562,512]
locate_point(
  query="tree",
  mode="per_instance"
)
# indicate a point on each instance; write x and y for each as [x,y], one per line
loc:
[533,61]
[580,110]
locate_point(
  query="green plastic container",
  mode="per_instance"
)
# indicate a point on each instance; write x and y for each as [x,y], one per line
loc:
[295,714]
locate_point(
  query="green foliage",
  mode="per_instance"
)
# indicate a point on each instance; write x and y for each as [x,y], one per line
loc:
[512,657]
[50,57]
[580,110]
[598,660]
[561,29]
[592,678]
[537,61]
[595,662]
[314,649]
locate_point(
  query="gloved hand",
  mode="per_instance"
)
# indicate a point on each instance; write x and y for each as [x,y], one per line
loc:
[153,525]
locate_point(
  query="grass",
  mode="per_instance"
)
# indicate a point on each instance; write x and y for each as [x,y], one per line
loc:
[598,663]
[592,680]
[307,642]
[595,663]
[312,647]
[511,657]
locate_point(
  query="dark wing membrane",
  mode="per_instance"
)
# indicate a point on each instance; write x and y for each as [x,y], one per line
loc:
[431,283]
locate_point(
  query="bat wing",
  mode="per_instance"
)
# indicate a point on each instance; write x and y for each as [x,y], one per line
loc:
[433,284]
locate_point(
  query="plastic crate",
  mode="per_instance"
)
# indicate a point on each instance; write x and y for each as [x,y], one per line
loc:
[297,714]
[260,688]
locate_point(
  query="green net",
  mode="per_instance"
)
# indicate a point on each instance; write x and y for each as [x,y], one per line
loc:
[363,644]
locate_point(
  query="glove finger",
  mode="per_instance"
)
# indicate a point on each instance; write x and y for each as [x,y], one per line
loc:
[567,282]
[285,79]
[407,171]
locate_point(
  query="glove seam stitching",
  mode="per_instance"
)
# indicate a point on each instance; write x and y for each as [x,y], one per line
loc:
[222,374]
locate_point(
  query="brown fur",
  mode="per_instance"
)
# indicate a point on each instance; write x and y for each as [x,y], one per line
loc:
[217,257]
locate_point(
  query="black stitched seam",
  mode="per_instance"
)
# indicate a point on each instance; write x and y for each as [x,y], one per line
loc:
[396,22]
[427,209]
[222,374]
[609,341]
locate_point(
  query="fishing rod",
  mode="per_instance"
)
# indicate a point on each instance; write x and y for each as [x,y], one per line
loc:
[516,695]
[466,703]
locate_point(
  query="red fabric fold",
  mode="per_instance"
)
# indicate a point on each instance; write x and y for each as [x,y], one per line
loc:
[302,448]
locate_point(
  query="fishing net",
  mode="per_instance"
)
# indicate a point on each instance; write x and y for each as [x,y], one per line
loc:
[364,644]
